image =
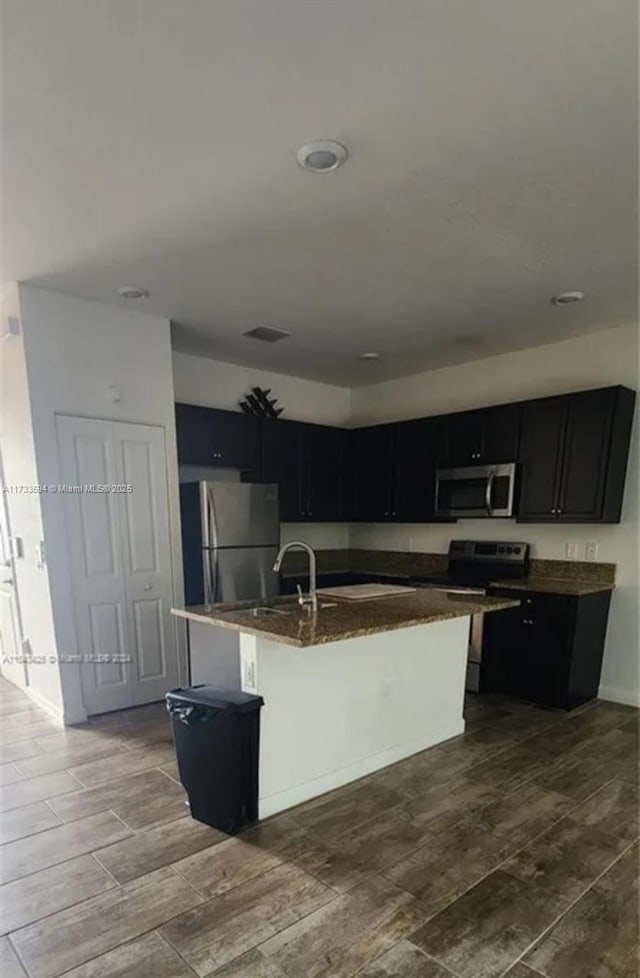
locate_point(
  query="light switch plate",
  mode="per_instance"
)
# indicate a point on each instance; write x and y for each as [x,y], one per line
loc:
[12,326]
[571,551]
[591,551]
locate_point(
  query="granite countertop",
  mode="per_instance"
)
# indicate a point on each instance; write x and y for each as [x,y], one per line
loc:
[343,619]
[550,585]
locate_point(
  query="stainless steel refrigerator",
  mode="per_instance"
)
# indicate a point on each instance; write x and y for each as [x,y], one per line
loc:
[230,538]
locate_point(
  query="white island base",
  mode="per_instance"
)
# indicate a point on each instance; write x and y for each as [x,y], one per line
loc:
[338,711]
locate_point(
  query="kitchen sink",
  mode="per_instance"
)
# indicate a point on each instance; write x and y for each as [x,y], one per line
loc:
[266,612]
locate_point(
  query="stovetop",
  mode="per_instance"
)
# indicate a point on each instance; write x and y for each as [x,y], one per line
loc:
[478,563]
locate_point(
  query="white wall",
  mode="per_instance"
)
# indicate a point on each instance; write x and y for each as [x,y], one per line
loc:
[76,350]
[199,380]
[597,360]
[336,712]
[25,516]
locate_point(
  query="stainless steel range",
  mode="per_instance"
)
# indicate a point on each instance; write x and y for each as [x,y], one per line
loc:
[472,566]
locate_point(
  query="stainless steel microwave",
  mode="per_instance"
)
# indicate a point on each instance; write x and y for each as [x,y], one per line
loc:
[479,490]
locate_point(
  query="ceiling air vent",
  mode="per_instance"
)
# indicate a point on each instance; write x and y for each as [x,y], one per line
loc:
[268,334]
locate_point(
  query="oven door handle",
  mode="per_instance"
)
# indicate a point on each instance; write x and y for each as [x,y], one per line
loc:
[488,493]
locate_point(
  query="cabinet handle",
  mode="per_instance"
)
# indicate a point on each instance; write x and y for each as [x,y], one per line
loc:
[558,511]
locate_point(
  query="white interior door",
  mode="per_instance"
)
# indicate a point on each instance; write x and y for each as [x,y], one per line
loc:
[121,560]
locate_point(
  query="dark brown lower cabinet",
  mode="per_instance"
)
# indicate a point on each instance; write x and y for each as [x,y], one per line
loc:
[549,650]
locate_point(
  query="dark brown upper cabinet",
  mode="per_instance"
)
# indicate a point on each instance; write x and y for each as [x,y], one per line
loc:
[371,473]
[574,452]
[307,463]
[478,437]
[209,437]
[393,468]
[282,463]
[324,448]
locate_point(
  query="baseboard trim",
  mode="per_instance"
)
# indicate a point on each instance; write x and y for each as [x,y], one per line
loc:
[54,712]
[281,800]
[628,697]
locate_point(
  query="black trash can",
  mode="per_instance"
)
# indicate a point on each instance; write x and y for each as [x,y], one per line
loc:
[217,738]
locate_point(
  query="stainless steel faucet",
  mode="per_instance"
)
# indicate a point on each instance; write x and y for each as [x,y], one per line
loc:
[311,599]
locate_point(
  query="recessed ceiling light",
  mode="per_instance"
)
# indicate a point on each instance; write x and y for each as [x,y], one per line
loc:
[567,298]
[322,155]
[131,292]
[369,356]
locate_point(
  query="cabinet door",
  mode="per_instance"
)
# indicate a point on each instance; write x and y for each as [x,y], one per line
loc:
[586,455]
[501,433]
[373,468]
[193,436]
[527,651]
[541,448]
[414,472]
[324,459]
[460,439]
[206,436]
[282,463]
[552,616]
[507,665]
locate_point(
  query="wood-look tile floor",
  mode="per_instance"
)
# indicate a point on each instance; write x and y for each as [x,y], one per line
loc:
[510,851]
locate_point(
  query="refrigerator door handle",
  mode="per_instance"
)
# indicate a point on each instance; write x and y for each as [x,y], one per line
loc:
[213,564]
[212,541]
[206,576]
[212,525]
[210,567]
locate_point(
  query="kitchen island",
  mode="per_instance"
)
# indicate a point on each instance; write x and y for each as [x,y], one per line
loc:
[350,689]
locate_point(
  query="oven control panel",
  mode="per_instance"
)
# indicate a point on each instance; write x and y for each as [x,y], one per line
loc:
[485,550]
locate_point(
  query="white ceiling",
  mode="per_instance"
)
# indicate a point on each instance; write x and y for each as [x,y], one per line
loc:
[492,163]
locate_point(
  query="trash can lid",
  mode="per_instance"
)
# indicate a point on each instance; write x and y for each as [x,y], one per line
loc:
[231,700]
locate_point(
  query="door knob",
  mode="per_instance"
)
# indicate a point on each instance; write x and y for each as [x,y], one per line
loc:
[148,587]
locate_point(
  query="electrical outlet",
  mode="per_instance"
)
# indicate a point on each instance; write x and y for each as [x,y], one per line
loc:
[571,551]
[591,551]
